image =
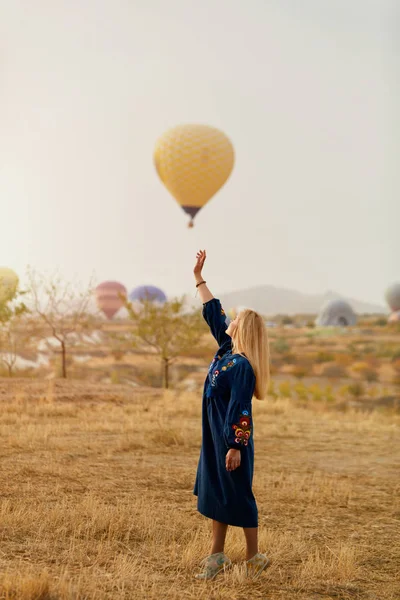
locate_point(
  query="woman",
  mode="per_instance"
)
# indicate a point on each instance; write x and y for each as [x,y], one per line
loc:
[224,478]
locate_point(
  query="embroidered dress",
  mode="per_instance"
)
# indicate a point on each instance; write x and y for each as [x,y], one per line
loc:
[226,496]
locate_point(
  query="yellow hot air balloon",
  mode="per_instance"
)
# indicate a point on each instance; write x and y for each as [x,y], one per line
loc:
[232,313]
[8,284]
[193,162]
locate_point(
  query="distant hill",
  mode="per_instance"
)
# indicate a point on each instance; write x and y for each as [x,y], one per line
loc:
[270,300]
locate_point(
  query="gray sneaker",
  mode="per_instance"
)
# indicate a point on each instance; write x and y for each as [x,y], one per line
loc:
[213,564]
[256,565]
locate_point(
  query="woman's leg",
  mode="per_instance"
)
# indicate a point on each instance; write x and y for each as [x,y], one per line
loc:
[219,535]
[251,535]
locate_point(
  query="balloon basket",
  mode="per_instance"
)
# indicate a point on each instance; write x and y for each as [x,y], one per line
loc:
[190,224]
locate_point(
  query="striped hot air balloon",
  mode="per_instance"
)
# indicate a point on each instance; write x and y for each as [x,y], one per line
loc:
[394,317]
[110,297]
[193,162]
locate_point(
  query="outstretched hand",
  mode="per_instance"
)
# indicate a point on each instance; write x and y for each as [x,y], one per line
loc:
[202,289]
[200,260]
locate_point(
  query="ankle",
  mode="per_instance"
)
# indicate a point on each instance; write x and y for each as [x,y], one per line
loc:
[250,555]
[217,550]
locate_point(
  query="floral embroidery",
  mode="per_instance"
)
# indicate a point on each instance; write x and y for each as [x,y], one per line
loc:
[228,365]
[214,377]
[243,429]
[222,312]
[213,361]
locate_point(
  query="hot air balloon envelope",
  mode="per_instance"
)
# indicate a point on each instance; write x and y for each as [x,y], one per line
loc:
[110,296]
[232,313]
[394,317]
[147,292]
[193,162]
[392,296]
[336,313]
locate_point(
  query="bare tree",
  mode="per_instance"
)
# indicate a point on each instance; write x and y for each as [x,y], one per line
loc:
[63,308]
[11,305]
[168,329]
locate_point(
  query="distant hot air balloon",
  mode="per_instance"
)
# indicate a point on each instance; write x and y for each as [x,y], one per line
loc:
[394,317]
[193,162]
[110,297]
[232,314]
[147,292]
[336,313]
[392,296]
[8,284]
[239,309]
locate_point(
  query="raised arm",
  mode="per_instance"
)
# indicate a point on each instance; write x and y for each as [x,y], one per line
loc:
[213,312]
[204,292]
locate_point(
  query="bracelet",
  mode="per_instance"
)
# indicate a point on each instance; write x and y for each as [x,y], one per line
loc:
[201,283]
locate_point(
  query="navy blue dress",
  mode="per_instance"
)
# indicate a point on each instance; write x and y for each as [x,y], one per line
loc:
[226,496]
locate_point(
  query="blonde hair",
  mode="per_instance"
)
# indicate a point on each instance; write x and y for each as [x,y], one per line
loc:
[250,338]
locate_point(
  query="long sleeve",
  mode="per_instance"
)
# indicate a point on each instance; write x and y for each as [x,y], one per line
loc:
[215,318]
[238,427]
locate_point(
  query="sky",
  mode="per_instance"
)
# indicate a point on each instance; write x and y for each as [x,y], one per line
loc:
[307,91]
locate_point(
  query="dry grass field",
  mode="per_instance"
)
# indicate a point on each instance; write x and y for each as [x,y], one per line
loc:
[97,503]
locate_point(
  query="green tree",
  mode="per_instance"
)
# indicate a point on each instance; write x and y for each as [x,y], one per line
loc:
[286,320]
[381,322]
[301,391]
[333,371]
[329,394]
[11,306]
[299,371]
[356,389]
[285,389]
[371,375]
[316,392]
[271,389]
[323,357]
[12,334]
[168,329]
